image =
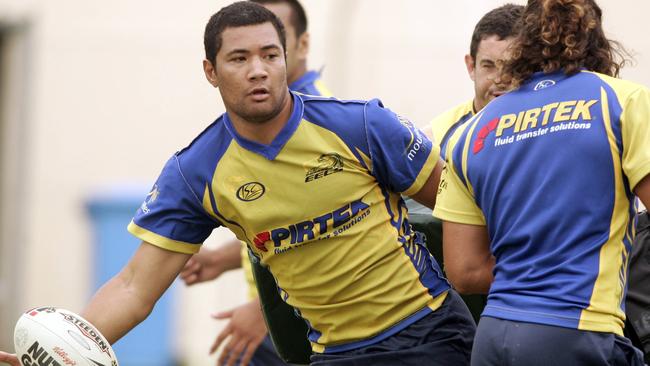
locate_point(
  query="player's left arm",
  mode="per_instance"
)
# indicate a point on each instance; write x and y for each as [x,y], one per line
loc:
[469,264]
[427,194]
[403,159]
[642,190]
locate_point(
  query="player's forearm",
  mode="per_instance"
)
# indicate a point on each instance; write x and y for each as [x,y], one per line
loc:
[229,255]
[128,298]
[472,280]
[116,309]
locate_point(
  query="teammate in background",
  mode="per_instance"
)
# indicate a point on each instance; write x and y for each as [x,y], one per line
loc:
[537,196]
[346,259]
[491,37]
[246,323]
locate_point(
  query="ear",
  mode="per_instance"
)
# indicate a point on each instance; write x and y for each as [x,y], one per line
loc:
[471,66]
[210,73]
[302,48]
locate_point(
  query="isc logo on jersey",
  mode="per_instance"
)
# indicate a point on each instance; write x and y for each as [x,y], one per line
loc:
[309,229]
[523,121]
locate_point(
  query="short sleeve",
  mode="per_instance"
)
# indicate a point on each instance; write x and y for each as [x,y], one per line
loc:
[402,156]
[455,202]
[171,215]
[635,120]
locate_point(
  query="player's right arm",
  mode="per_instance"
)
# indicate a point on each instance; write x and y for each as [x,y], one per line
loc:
[128,298]
[9,359]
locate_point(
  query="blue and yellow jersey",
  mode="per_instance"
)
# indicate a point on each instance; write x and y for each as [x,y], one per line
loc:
[549,169]
[309,83]
[444,125]
[320,206]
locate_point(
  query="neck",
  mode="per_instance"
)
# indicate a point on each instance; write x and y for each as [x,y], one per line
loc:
[266,131]
[300,70]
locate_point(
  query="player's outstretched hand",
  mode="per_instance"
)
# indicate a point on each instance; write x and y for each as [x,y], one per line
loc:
[209,264]
[9,358]
[203,266]
[245,331]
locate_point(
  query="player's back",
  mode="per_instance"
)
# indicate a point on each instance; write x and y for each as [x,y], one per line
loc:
[543,164]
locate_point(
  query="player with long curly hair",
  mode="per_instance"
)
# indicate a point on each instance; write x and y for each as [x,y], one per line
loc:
[538,195]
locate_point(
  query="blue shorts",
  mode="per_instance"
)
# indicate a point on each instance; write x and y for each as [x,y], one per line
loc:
[501,342]
[443,338]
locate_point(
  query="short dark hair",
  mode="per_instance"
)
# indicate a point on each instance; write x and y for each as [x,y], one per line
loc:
[500,22]
[239,14]
[298,15]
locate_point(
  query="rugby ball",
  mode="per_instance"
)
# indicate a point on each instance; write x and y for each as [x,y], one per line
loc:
[57,337]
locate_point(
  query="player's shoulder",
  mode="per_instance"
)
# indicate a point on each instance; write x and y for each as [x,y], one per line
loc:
[444,121]
[623,88]
[325,110]
[455,113]
[211,140]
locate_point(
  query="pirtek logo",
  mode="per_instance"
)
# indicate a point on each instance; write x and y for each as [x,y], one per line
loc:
[307,230]
[525,120]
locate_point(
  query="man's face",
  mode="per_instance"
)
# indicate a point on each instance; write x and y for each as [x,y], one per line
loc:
[250,72]
[483,70]
[296,47]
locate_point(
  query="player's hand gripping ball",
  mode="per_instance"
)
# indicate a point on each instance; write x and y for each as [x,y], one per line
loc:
[58,337]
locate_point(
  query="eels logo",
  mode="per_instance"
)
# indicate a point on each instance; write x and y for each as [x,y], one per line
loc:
[326,164]
[251,191]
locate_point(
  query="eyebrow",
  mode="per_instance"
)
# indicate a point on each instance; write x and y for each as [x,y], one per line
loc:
[246,51]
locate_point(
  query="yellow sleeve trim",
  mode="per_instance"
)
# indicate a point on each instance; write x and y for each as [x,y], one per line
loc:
[637,175]
[425,172]
[161,241]
[458,217]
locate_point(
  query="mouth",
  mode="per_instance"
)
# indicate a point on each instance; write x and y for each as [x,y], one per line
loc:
[497,93]
[259,94]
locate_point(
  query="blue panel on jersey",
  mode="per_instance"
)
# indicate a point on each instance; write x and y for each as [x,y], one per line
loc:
[170,209]
[398,149]
[305,84]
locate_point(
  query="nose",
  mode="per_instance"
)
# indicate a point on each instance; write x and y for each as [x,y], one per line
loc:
[257,69]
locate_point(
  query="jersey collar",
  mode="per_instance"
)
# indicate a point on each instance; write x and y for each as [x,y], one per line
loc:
[273,149]
[305,80]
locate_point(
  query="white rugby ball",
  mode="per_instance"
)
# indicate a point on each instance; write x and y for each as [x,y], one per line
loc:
[57,337]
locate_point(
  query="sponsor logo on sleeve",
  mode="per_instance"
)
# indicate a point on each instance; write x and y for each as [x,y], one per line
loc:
[151,198]
[416,141]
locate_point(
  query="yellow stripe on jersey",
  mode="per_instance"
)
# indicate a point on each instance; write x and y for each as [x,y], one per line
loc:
[322,89]
[598,316]
[431,162]
[473,123]
[161,241]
